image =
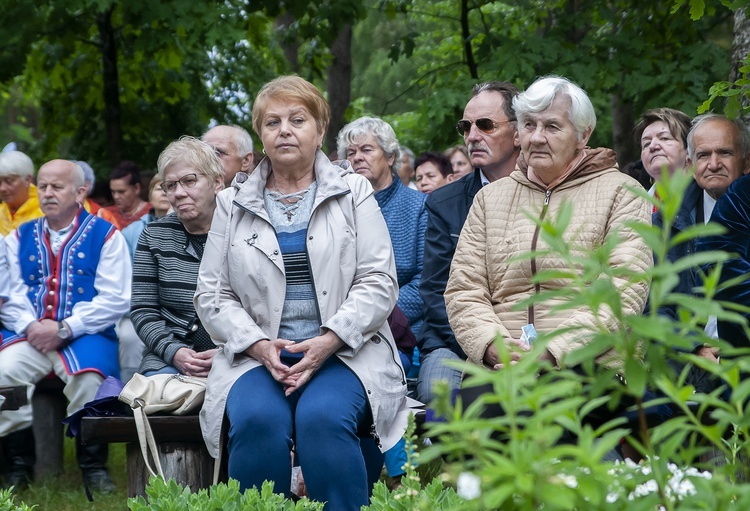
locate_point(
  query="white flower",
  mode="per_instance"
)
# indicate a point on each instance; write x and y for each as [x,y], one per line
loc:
[569,480]
[612,498]
[649,486]
[468,486]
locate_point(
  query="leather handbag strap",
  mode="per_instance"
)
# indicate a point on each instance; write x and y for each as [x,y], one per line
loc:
[147,442]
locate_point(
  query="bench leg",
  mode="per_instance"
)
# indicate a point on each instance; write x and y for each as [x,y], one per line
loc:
[49,411]
[187,463]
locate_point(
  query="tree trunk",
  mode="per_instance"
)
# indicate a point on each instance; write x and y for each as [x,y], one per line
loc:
[465,36]
[740,51]
[288,44]
[622,130]
[339,84]
[111,91]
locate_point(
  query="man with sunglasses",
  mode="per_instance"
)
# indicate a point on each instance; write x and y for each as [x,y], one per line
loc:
[489,130]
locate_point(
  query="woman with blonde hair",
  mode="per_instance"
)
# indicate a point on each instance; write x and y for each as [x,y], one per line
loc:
[295,287]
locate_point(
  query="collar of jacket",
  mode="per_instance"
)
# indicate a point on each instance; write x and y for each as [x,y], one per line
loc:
[595,161]
[330,180]
[385,195]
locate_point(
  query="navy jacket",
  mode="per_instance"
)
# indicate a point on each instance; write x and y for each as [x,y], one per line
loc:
[447,208]
[690,213]
[732,211]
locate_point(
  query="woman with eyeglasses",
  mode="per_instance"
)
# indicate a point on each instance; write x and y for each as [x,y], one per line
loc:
[296,286]
[490,276]
[167,259]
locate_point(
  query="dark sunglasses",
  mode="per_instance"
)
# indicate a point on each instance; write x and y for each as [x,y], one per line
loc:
[484,124]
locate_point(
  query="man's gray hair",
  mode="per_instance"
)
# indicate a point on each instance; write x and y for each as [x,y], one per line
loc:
[540,94]
[241,139]
[243,142]
[79,175]
[355,131]
[703,119]
[88,173]
[16,163]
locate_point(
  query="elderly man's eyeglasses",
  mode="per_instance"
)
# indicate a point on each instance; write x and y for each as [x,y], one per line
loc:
[186,182]
[484,124]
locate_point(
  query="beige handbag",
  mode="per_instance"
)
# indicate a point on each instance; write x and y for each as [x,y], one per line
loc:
[167,394]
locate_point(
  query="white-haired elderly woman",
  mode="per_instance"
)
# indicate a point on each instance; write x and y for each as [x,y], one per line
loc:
[488,279]
[167,259]
[372,148]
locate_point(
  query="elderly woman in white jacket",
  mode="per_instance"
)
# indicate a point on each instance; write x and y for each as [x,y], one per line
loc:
[296,284]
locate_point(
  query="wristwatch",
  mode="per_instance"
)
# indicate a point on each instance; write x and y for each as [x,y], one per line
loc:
[63,332]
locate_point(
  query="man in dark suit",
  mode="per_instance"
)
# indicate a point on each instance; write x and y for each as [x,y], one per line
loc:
[491,136]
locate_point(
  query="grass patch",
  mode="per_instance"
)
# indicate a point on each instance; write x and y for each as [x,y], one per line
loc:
[64,492]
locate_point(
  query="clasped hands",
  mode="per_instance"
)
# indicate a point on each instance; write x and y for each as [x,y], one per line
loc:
[42,335]
[316,351]
[516,349]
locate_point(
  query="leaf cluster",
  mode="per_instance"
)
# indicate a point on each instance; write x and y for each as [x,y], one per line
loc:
[548,448]
[170,496]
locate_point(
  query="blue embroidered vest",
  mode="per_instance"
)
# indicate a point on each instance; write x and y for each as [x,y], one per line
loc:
[57,283]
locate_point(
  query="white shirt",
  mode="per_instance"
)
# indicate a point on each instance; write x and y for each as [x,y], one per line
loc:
[112,283]
[483,178]
[711,329]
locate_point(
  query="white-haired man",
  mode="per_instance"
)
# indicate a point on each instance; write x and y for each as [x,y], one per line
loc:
[234,147]
[72,273]
[17,191]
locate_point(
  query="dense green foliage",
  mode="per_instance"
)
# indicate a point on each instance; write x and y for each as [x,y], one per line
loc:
[101,80]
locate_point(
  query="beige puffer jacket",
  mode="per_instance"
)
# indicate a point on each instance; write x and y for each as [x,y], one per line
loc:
[485,282]
[242,285]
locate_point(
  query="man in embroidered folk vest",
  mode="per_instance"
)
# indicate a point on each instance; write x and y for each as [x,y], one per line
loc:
[71,272]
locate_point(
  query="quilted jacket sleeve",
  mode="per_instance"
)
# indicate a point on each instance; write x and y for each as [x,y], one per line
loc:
[467,295]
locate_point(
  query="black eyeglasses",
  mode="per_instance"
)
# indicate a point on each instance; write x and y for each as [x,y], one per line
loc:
[484,124]
[186,182]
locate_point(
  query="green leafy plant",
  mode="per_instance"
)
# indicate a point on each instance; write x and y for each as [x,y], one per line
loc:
[411,496]
[170,496]
[7,502]
[550,448]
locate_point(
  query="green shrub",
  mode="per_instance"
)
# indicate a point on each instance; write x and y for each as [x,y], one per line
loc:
[7,502]
[544,454]
[170,496]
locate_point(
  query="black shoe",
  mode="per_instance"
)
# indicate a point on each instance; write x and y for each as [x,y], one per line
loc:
[19,457]
[17,477]
[98,480]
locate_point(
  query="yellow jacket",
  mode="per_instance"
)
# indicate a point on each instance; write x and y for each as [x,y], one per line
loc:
[29,210]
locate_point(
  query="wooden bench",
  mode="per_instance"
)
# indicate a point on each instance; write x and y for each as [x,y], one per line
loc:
[182,452]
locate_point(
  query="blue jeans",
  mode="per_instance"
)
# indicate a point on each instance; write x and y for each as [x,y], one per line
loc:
[434,369]
[323,422]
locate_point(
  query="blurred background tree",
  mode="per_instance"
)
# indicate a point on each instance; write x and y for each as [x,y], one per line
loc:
[105,80]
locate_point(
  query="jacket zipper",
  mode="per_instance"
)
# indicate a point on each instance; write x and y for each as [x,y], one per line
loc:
[393,357]
[537,287]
